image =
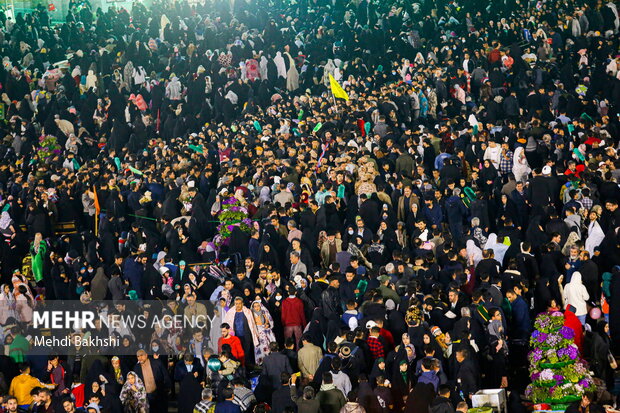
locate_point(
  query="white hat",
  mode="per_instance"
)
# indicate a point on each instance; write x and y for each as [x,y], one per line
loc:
[370,324]
[163,269]
[191,184]
[546,170]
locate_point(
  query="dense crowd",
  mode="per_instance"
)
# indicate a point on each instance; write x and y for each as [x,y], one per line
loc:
[395,246]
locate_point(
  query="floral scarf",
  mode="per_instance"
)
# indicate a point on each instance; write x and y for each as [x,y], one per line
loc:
[134,400]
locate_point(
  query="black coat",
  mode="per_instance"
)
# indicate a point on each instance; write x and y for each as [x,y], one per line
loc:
[274,365]
[331,303]
[442,405]
[162,379]
[466,373]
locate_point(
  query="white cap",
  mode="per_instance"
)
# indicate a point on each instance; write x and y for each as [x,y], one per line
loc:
[370,324]
[546,170]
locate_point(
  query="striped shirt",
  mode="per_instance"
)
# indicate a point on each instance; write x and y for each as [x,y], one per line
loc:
[243,398]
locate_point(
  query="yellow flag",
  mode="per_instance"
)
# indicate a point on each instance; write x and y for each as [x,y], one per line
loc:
[337,90]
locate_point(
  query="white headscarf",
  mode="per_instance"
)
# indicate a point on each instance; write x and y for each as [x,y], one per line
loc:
[5,220]
[498,249]
[595,237]
[472,249]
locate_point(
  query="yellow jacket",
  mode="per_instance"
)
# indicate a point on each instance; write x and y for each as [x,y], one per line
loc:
[21,386]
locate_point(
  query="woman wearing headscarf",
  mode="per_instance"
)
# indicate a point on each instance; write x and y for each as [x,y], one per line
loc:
[576,294]
[265,195]
[535,233]
[264,324]
[401,383]
[133,395]
[488,176]
[7,304]
[498,349]
[420,398]
[378,369]
[498,248]
[38,249]
[542,295]
[520,167]
[7,227]
[316,327]
[595,233]
[600,349]
[268,256]
[506,209]
[405,351]
[474,251]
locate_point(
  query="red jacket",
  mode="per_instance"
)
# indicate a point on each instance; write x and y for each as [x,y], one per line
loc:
[293,312]
[235,344]
[571,321]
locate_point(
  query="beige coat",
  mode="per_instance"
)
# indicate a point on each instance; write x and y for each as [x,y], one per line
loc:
[308,358]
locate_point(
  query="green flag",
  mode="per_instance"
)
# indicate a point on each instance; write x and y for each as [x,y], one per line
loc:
[76,165]
[257,126]
[117,162]
[300,115]
[196,148]
[571,128]
[317,127]
[579,154]
[135,171]
[37,261]
[341,190]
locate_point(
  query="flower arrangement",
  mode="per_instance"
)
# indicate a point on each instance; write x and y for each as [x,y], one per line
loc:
[558,374]
[232,214]
[549,323]
[559,339]
[48,147]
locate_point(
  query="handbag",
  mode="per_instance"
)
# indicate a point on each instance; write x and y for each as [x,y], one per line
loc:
[612,361]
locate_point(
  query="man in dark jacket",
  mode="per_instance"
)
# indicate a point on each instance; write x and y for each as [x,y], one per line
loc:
[456,212]
[466,375]
[520,326]
[538,190]
[331,305]
[281,398]
[330,398]
[275,364]
[442,404]
[156,381]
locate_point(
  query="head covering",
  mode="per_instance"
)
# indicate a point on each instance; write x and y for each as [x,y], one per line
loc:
[132,397]
[499,249]
[5,220]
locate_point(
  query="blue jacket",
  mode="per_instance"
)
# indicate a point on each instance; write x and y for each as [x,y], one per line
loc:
[429,377]
[133,272]
[227,407]
[455,210]
[433,216]
[520,319]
